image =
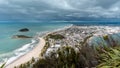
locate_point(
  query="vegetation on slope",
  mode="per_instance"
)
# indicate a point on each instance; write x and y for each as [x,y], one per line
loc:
[56,36]
[109,58]
[2,66]
[67,57]
[80,56]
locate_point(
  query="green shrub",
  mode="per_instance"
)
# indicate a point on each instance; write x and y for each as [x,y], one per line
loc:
[105,37]
[2,66]
[109,58]
[45,48]
[33,60]
[56,36]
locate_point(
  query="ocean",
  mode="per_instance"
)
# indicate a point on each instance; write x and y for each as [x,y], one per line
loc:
[10,48]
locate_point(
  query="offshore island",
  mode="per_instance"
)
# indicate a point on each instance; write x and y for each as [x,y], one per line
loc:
[74,47]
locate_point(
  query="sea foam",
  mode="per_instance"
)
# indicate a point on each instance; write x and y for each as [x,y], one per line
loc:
[12,56]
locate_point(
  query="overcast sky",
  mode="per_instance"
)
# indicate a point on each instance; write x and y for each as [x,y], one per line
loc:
[58,9]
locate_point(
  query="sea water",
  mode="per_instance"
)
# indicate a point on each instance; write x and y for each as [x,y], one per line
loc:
[10,48]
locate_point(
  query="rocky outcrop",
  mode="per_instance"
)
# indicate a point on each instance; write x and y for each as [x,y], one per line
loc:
[20,36]
[24,30]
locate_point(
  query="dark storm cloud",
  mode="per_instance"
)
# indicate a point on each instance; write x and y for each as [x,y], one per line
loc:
[50,9]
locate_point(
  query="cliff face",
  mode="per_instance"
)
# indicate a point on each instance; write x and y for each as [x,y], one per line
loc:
[105,40]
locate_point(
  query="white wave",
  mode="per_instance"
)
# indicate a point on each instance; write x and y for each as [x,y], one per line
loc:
[21,51]
[23,48]
[12,56]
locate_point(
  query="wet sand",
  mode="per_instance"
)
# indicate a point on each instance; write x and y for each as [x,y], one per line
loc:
[27,57]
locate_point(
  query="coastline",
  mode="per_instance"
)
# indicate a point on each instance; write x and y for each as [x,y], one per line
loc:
[35,52]
[56,30]
[27,57]
[37,49]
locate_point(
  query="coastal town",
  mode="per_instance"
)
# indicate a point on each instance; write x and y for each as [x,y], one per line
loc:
[79,35]
[73,37]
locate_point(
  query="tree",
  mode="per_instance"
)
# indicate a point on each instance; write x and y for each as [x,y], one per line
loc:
[2,66]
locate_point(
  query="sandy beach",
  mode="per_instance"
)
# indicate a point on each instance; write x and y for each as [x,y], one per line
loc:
[33,53]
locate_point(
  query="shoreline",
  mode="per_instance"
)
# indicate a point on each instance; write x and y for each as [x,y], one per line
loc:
[56,30]
[20,59]
[35,52]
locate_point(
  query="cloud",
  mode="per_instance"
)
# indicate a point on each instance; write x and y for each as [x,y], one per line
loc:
[53,9]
